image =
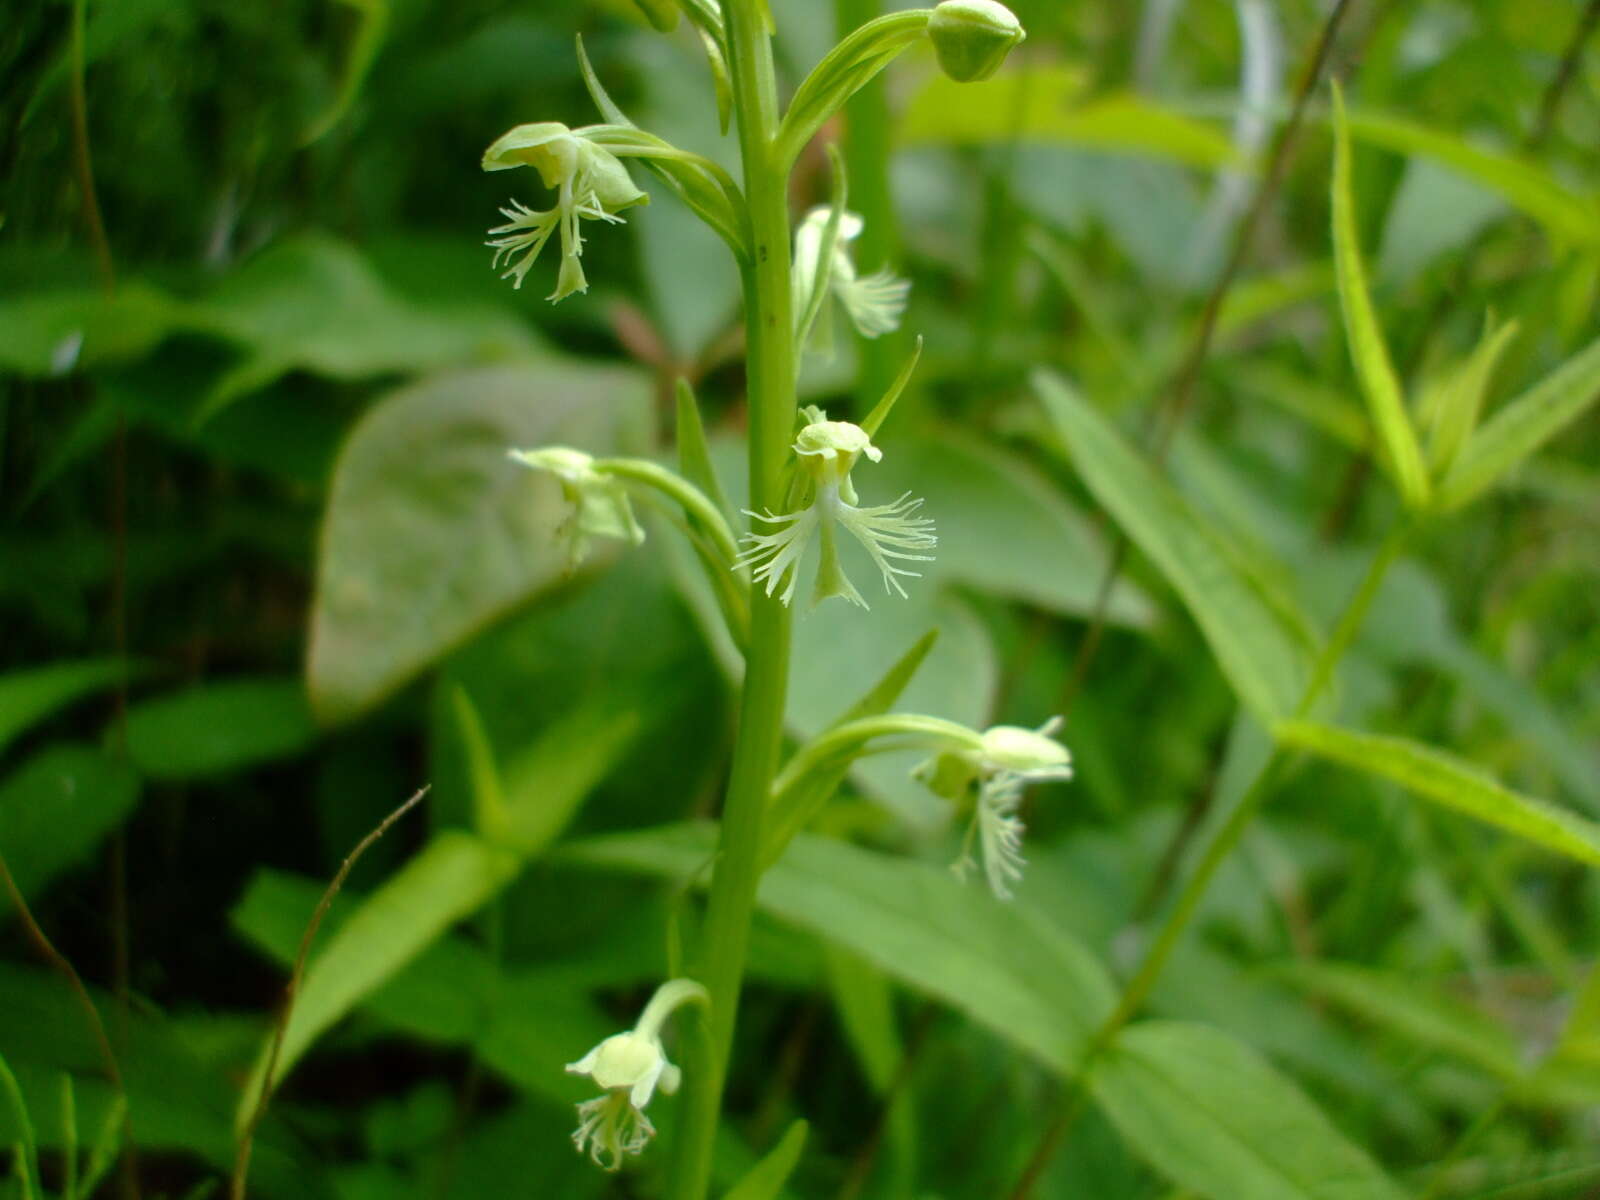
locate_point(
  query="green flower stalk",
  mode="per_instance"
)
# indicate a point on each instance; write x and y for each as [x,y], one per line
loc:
[590,182]
[890,533]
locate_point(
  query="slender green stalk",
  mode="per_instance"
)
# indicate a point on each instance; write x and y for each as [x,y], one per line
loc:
[672,485]
[769,333]
[843,740]
[1216,852]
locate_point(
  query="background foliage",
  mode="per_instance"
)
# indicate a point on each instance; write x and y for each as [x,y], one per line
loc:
[264,571]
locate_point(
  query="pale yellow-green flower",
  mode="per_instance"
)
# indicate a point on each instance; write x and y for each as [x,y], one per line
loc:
[590,183]
[890,533]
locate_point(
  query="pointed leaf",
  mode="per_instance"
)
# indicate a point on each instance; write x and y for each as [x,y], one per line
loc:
[765,1180]
[1522,426]
[29,696]
[1219,1120]
[1448,781]
[57,809]
[1379,384]
[451,878]
[694,454]
[1259,655]
[1460,398]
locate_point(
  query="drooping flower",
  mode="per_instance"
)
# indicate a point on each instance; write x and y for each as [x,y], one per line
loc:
[992,778]
[629,1067]
[971,38]
[890,533]
[590,182]
[600,504]
[873,302]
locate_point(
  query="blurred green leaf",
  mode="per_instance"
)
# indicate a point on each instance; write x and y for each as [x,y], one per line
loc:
[1263,660]
[1379,384]
[1214,1116]
[313,303]
[1005,966]
[1004,529]
[1525,185]
[30,695]
[1411,1010]
[219,727]
[372,24]
[1522,426]
[1039,105]
[57,808]
[766,1179]
[432,531]
[1459,397]
[58,332]
[1447,781]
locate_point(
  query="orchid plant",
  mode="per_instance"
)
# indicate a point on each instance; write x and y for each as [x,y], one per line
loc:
[803,494]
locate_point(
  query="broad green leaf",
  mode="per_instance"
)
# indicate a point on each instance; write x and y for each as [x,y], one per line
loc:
[313,303]
[1522,426]
[1402,1005]
[1004,965]
[522,1022]
[57,808]
[1262,658]
[451,878]
[1524,185]
[1039,105]
[1217,1118]
[57,332]
[1450,782]
[1379,384]
[432,531]
[219,727]
[766,1179]
[30,695]
[546,781]
[1004,529]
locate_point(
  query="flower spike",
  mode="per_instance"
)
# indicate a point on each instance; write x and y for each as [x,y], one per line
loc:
[629,1066]
[590,183]
[1009,758]
[890,533]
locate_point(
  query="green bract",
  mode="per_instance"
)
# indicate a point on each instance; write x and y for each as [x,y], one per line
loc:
[971,38]
[590,182]
[663,14]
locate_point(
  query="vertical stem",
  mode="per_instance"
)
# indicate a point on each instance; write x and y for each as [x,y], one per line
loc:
[769,332]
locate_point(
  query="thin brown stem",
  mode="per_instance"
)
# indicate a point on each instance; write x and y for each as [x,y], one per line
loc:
[241,1162]
[1179,398]
[58,961]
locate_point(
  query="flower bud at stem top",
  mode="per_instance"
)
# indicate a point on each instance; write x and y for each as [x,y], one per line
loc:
[971,38]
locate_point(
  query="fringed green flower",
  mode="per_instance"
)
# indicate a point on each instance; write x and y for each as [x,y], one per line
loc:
[874,303]
[590,183]
[890,533]
[600,504]
[629,1066]
[992,779]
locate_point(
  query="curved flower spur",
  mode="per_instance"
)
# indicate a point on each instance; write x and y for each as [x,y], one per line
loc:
[826,452]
